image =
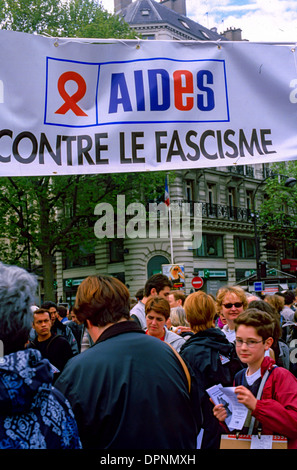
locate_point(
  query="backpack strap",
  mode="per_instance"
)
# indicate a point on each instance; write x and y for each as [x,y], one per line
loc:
[186,370]
[259,395]
[51,340]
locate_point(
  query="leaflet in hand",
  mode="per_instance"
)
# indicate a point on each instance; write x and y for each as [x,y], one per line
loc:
[236,412]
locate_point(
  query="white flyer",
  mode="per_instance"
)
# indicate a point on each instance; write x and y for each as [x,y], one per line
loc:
[236,412]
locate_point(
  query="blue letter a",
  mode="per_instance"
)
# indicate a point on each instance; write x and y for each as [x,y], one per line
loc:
[119,93]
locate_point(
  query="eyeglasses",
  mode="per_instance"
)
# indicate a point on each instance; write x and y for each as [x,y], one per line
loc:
[236,304]
[250,344]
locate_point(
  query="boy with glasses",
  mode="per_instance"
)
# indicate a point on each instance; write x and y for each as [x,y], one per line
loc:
[275,412]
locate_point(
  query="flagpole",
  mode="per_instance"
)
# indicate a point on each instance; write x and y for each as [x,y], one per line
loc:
[170,236]
[167,202]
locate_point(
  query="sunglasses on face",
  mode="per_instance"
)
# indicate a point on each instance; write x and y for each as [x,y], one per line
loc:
[236,304]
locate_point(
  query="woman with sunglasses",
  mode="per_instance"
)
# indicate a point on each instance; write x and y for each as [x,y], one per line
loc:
[231,301]
[177,277]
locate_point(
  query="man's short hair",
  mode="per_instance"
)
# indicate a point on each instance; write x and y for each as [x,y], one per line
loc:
[102,300]
[179,295]
[139,294]
[62,311]
[158,282]
[41,310]
[49,304]
[289,297]
[17,295]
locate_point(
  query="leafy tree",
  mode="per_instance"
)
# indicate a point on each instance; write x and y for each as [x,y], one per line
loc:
[278,212]
[30,16]
[71,18]
[88,19]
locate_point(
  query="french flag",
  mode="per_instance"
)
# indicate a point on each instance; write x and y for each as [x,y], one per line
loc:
[167,200]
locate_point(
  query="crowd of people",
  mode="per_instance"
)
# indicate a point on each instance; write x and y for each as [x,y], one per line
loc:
[117,372]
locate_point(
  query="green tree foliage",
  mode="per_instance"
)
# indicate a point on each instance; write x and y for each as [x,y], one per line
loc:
[68,18]
[88,19]
[30,16]
[278,212]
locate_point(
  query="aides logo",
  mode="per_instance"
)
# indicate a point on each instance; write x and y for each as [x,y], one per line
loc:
[82,94]
[70,101]
[71,89]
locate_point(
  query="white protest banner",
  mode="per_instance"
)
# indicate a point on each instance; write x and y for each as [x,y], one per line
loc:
[73,106]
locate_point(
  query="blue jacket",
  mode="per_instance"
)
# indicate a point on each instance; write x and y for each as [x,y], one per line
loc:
[33,414]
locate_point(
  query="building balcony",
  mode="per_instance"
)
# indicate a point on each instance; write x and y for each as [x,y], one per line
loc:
[220,211]
[212,211]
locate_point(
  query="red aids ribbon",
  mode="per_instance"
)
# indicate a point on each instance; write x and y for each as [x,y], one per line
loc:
[70,101]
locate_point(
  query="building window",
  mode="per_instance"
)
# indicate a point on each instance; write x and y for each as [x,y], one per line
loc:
[80,256]
[249,199]
[211,246]
[231,197]
[189,191]
[148,36]
[183,22]
[210,194]
[244,248]
[116,250]
[231,202]
[205,34]
[211,200]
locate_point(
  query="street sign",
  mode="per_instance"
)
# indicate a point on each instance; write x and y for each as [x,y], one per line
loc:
[197,282]
[258,286]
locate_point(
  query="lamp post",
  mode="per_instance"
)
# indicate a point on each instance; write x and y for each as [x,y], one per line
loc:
[289,183]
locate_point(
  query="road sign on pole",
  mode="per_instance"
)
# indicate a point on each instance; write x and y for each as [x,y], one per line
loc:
[197,282]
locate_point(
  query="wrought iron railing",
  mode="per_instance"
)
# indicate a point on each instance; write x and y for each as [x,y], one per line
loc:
[220,211]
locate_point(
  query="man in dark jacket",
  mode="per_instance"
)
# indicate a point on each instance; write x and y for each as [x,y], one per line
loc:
[129,390]
[59,328]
